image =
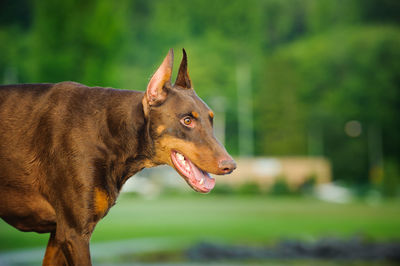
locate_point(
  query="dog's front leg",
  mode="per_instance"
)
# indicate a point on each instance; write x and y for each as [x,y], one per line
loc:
[68,247]
[75,248]
[71,250]
[54,254]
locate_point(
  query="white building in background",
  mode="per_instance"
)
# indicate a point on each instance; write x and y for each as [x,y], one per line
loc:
[265,171]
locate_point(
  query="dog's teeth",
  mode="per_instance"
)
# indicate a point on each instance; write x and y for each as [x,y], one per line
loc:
[202,181]
[180,157]
[187,167]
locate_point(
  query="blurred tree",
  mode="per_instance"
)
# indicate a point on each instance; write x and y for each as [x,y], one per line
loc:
[75,40]
[16,13]
[316,83]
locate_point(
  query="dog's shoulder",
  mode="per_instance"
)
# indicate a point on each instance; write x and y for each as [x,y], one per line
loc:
[69,86]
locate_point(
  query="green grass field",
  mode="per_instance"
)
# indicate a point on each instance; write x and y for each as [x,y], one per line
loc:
[237,219]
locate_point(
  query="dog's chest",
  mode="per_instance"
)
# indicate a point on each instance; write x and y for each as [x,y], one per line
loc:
[27,212]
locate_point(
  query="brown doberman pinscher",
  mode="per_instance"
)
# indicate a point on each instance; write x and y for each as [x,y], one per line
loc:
[67,149]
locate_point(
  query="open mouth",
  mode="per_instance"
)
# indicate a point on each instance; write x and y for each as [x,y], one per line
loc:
[198,179]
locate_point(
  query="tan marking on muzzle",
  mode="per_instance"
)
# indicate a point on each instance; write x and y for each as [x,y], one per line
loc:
[202,156]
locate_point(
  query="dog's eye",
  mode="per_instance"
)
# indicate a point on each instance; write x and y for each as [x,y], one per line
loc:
[187,121]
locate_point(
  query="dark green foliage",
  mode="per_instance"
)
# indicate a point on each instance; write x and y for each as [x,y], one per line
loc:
[280,188]
[307,188]
[391,181]
[222,189]
[249,188]
[324,86]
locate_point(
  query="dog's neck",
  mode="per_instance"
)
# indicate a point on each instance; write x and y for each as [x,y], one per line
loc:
[130,147]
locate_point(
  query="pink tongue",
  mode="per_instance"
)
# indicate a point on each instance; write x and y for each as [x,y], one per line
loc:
[208,182]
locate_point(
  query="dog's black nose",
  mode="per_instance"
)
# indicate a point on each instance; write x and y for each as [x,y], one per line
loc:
[227,166]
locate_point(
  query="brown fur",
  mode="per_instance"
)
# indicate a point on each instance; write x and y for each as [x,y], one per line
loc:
[66,150]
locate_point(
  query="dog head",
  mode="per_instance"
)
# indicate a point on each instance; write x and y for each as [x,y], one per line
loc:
[180,125]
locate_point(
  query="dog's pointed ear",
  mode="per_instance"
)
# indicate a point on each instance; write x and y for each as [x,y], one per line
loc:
[157,91]
[183,78]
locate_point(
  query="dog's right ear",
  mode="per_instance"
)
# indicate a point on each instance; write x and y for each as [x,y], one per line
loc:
[183,78]
[157,91]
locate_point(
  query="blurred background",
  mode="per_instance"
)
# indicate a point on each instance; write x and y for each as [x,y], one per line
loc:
[307,99]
